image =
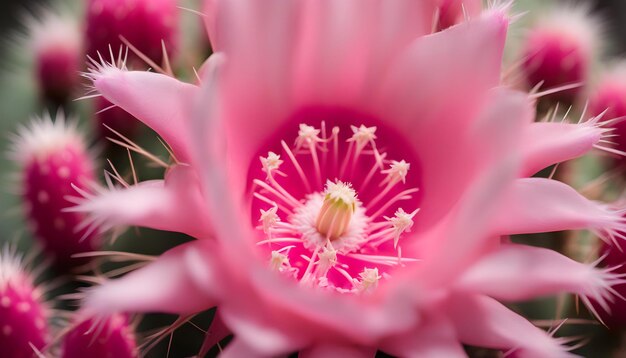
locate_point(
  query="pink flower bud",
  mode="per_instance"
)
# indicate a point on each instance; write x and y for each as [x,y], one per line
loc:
[144,23]
[54,158]
[110,338]
[610,95]
[559,50]
[57,50]
[23,314]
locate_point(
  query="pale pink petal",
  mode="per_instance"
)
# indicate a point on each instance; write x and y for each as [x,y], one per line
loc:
[238,348]
[495,138]
[161,286]
[435,100]
[173,204]
[484,322]
[209,10]
[159,101]
[434,337]
[264,339]
[323,350]
[546,144]
[355,41]
[314,53]
[427,76]
[562,208]
[519,272]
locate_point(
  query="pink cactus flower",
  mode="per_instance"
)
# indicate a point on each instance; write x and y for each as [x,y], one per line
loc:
[559,50]
[148,25]
[349,188]
[111,338]
[56,44]
[23,313]
[608,96]
[54,160]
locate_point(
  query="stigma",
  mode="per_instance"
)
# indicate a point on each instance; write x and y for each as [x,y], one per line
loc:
[336,212]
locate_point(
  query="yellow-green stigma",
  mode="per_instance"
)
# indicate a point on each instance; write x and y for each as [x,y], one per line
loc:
[336,212]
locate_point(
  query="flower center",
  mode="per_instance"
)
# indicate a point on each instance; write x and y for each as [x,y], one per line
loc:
[336,212]
[330,209]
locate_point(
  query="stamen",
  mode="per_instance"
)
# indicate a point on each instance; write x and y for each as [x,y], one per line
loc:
[279,240]
[271,163]
[371,173]
[269,218]
[278,261]
[332,226]
[405,195]
[335,138]
[271,202]
[402,222]
[327,259]
[362,136]
[396,173]
[369,280]
[282,195]
[296,165]
[382,260]
[308,137]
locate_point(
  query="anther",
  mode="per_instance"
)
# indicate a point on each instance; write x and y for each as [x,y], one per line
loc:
[362,136]
[369,280]
[269,218]
[308,136]
[270,163]
[397,172]
[401,223]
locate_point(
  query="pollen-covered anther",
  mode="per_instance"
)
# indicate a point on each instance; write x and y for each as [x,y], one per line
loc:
[327,258]
[269,218]
[401,222]
[368,280]
[271,163]
[279,261]
[336,212]
[362,136]
[397,172]
[308,136]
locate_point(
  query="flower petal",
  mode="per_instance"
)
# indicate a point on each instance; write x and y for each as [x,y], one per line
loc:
[562,208]
[519,272]
[436,100]
[263,339]
[323,350]
[306,45]
[238,348]
[435,337]
[495,138]
[161,286]
[159,101]
[173,204]
[546,144]
[484,322]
